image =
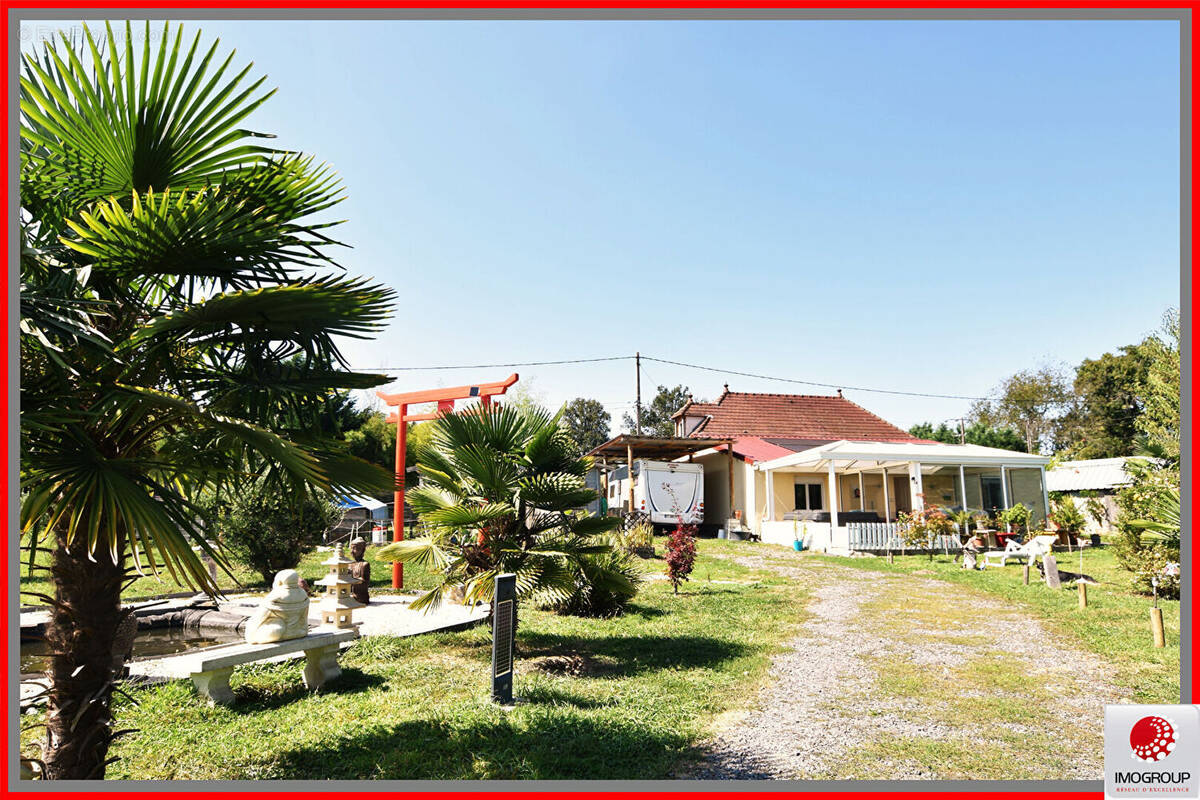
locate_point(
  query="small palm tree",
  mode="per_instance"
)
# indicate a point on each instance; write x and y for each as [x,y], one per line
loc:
[180,320]
[1166,525]
[501,491]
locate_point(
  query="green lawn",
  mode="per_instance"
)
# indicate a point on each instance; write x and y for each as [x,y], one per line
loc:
[243,579]
[1115,625]
[600,698]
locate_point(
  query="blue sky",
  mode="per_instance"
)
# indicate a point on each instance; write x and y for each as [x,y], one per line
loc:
[923,206]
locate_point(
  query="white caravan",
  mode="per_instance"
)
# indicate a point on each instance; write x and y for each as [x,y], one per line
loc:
[666,491]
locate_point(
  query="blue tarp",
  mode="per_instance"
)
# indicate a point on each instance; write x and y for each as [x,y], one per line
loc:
[376,509]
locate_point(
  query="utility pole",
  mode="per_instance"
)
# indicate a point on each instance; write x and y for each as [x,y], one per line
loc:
[962,430]
[637,408]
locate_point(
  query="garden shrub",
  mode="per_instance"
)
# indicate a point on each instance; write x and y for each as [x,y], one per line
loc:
[604,583]
[681,554]
[638,540]
[921,528]
[1147,561]
[270,530]
[1143,558]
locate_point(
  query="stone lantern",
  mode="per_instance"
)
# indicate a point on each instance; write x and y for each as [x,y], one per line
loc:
[338,604]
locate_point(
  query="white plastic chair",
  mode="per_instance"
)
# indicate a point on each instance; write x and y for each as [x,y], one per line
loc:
[1035,547]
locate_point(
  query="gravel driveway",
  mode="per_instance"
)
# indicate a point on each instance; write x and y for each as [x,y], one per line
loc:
[902,677]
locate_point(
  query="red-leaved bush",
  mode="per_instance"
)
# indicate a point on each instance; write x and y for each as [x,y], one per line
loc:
[681,554]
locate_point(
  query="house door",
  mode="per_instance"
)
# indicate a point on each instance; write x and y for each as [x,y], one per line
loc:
[901,494]
[993,493]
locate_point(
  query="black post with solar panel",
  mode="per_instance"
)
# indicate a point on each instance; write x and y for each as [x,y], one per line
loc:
[504,626]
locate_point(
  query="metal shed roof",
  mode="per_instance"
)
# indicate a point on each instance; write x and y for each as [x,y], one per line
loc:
[653,447]
[1091,474]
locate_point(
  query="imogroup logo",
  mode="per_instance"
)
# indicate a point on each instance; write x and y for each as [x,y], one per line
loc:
[1152,738]
[1151,751]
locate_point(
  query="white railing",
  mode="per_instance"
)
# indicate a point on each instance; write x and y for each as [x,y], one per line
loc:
[886,536]
[875,536]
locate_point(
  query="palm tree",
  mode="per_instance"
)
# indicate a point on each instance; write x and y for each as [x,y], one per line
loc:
[1166,523]
[501,489]
[178,301]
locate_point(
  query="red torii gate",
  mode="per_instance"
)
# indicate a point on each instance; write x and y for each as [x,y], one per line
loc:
[445,402]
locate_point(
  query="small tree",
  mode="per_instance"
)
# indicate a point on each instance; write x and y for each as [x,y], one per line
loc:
[656,415]
[681,554]
[269,530]
[923,527]
[587,423]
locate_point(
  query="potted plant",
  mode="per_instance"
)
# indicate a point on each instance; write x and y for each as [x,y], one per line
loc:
[797,536]
[1016,519]
[1068,520]
[995,524]
[962,520]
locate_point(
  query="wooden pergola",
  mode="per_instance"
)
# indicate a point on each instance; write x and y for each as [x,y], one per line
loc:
[627,447]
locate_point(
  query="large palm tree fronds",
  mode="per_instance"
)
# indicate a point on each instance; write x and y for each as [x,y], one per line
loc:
[181,315]
[501,492]
[1166,526]
[97,123]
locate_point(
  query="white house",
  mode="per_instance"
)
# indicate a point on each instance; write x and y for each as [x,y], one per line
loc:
[825,466]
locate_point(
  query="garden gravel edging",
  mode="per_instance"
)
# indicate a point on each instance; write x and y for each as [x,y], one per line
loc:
[824,699]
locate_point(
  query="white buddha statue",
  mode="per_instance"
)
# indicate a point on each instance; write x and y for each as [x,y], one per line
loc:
[283,613]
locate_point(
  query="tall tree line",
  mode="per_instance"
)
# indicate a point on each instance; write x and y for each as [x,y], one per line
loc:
[1101,408]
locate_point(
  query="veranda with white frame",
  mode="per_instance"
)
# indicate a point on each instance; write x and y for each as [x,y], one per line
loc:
[854,463]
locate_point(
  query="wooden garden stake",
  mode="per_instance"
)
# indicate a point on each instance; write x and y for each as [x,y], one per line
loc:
[1079,582]
[1026,574]
[1156,622]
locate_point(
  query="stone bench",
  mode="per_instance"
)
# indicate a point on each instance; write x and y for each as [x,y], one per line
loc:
[210,667]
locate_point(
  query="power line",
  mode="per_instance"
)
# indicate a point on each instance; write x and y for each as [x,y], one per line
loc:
[488,366]
[813,383]
[678,364]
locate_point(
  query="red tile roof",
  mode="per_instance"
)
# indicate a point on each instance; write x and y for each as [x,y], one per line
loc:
[791,416]
[753,449]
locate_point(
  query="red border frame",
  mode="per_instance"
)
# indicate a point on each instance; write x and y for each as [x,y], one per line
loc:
[6,331]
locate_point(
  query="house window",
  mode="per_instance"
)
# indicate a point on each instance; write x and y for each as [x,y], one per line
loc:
[810,496]
[993,493]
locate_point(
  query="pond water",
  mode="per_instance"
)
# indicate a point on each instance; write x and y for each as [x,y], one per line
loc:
[148,644]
